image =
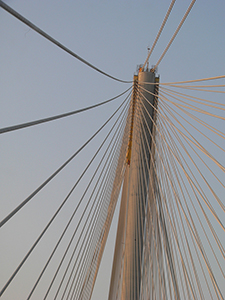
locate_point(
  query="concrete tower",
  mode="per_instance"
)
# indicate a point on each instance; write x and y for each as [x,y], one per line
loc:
[128,255]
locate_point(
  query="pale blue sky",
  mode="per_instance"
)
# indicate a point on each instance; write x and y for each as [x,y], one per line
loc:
[38,80]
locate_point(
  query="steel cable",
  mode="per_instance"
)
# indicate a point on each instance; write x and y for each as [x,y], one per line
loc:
[58,170]
[26,200]
[175,33]
[51,39]
[160,31]
[71,218]
[32,123]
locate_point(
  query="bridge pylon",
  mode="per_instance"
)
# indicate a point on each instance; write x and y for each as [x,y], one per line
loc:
[128,256]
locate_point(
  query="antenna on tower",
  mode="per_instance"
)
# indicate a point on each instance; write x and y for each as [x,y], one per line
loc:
[148,48]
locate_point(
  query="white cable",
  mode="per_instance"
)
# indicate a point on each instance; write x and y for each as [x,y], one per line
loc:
[159,33]
[176,32]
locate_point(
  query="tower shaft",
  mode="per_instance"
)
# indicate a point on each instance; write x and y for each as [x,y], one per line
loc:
[127,265]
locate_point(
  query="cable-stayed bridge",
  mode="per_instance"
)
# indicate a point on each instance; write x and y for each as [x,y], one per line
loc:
[156,161]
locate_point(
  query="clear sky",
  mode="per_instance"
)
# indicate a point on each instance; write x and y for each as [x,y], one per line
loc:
[37,80]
